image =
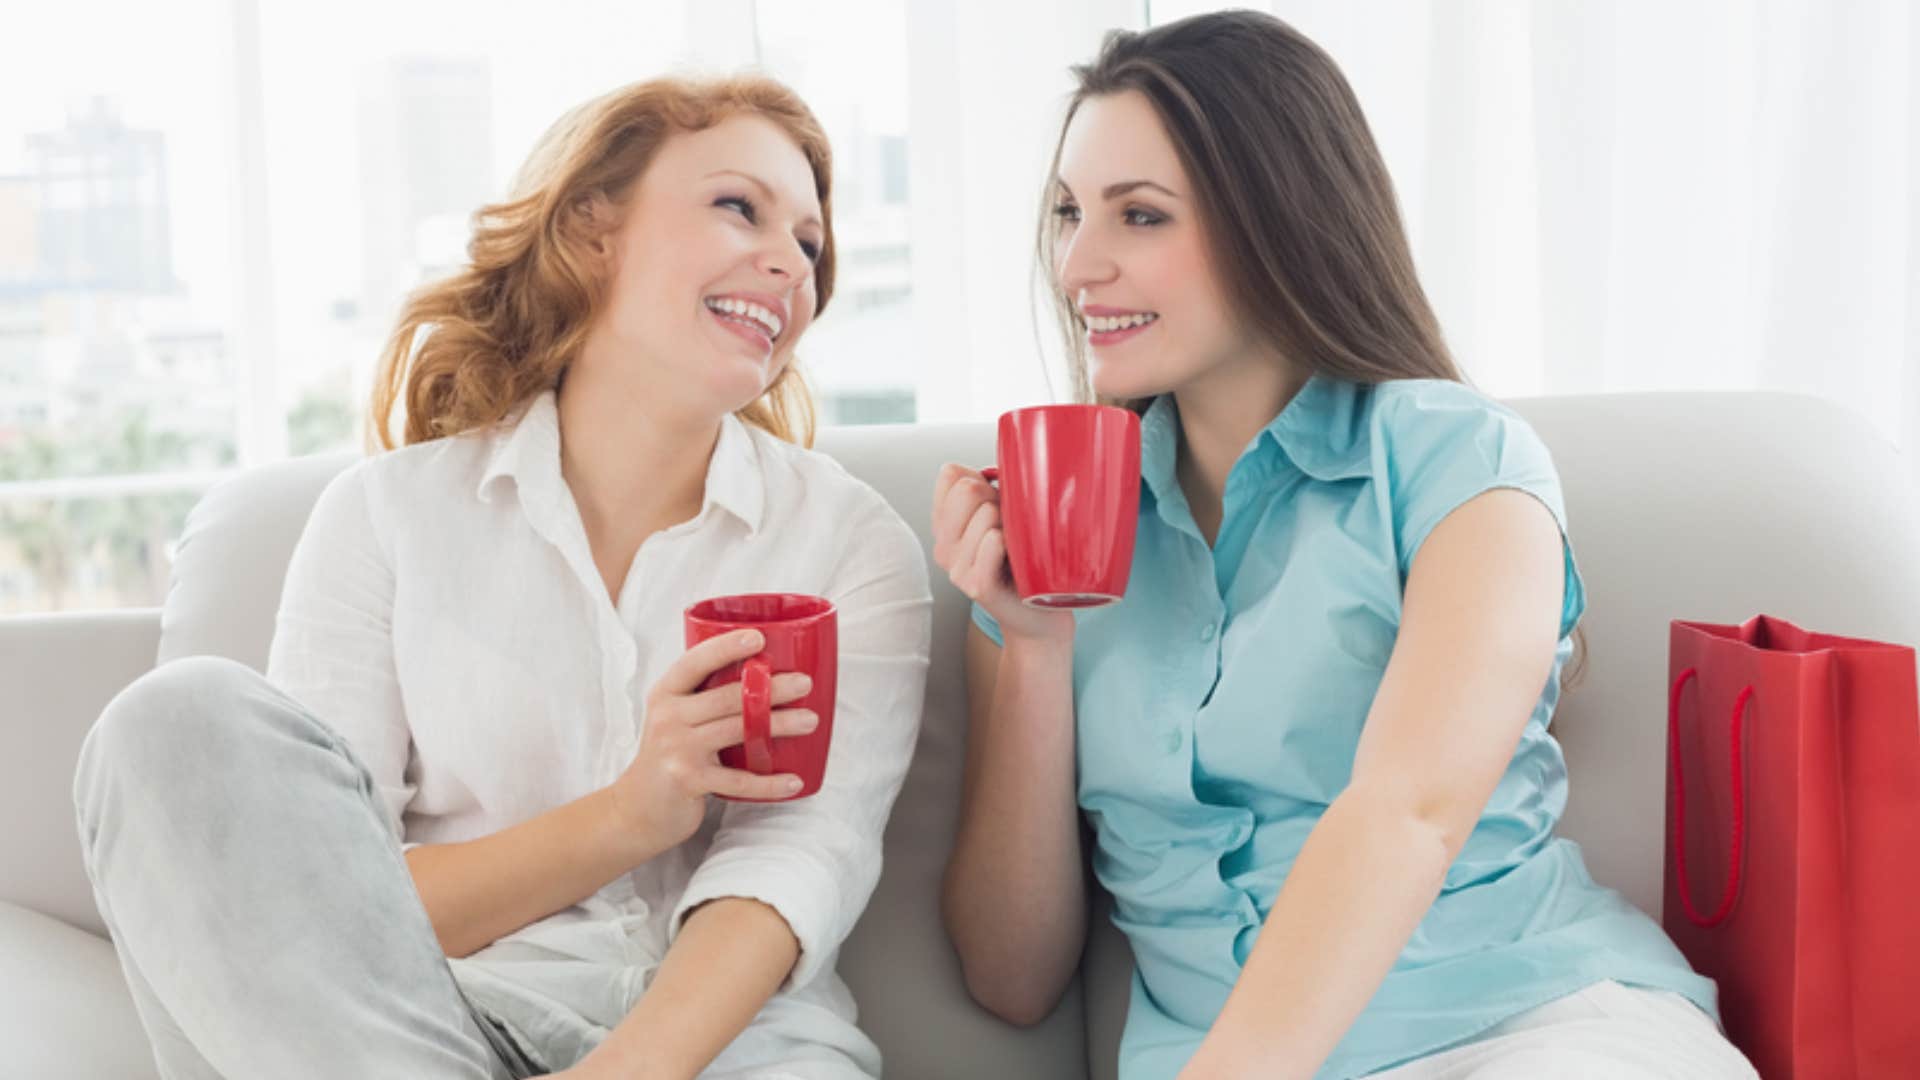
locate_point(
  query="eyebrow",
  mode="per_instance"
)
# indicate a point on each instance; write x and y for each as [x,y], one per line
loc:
[764,189]
[1115,191]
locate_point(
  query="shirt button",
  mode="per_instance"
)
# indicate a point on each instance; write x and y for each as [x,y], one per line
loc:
[1207,632]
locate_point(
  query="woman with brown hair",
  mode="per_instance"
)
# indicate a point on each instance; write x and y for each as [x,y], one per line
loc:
[1312,742]
[479,736]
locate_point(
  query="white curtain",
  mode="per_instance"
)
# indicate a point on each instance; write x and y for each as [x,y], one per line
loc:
[1602,196]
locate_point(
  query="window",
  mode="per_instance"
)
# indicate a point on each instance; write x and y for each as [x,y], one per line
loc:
[209,217]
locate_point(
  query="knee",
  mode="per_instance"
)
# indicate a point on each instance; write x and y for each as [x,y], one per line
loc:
[172,725]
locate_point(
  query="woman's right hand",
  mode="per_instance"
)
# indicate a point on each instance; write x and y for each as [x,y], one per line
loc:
[969,545]
[661,798]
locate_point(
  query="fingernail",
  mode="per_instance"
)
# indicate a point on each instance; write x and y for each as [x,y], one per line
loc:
[810,718]
[804,682]
[750,639]
[793,783]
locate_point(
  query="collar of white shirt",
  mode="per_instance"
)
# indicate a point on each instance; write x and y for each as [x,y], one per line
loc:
[527,450]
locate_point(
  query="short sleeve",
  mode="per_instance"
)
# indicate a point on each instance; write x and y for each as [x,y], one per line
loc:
[1446,445]
[988,625]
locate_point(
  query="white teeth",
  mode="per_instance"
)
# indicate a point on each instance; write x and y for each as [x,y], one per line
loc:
[1107,324]
[765,320]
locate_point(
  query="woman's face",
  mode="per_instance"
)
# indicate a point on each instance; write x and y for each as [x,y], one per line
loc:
[713,265]
[1132,255]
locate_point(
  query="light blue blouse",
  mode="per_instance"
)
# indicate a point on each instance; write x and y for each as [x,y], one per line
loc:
[1219,707]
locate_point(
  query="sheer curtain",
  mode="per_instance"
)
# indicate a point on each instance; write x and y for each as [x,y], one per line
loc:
[1635,195]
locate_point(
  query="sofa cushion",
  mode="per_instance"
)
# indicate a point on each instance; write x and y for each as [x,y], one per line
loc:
[64,1007]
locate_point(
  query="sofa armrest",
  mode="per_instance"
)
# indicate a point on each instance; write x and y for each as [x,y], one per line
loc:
[57,672]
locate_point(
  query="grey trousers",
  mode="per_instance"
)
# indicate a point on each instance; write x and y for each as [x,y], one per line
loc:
[264,915]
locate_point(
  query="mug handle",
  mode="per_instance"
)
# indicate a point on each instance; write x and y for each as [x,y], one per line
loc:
[756,701]
[991,474]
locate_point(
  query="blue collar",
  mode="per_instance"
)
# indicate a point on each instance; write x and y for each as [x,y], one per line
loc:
[1325,432]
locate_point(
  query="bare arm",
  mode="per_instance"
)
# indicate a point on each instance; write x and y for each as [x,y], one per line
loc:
[1477,639]
[730,957]
[482,890]
[1014,898]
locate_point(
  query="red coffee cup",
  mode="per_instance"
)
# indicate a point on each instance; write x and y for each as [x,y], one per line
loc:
[1069,479]
[802,634]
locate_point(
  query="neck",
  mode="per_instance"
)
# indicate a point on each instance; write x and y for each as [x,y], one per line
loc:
[1219,416]
[634,462]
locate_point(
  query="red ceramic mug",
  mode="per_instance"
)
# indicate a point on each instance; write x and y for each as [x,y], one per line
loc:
[802,634]
[1069,479]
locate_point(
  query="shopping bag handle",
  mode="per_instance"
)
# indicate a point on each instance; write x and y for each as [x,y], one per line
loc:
[1680,805]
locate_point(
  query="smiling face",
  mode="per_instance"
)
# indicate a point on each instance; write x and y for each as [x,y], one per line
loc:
[1131,255]
[713,266]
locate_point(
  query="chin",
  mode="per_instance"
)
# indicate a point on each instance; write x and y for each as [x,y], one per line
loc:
[1111,385]
[734,378]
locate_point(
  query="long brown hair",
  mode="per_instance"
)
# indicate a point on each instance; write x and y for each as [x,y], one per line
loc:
[1299,212]
[470,349]
[1300,215]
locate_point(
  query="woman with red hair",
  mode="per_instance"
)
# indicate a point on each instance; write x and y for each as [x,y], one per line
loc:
[479,737]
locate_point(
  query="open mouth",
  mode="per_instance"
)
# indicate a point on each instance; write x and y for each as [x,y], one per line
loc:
[744,317]
[1113,329]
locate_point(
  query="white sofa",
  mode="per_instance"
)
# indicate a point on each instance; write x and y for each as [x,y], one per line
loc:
[1702,506]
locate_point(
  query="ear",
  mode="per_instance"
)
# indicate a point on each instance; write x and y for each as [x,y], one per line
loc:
[592,221]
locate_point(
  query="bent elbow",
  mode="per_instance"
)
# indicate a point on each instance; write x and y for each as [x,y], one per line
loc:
[1021,1001]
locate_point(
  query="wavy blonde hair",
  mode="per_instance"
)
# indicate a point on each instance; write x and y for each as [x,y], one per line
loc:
[472,348]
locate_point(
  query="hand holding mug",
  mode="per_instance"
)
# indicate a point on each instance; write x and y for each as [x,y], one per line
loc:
[970,545]
[663,792]
[802,637]
[1058,533]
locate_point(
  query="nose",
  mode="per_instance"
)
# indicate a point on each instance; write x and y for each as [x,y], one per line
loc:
[1082,261]
[786,260]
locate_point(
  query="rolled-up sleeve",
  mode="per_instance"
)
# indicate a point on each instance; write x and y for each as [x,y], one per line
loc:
[333,638]
[816,860]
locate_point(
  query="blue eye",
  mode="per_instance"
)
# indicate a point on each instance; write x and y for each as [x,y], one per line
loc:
[740,203]
[1137,216]
[1067,211]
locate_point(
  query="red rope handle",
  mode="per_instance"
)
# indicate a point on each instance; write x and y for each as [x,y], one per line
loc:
[1680,805]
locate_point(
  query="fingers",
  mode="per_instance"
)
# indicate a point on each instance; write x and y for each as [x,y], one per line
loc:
[685,675]
[989,569]
[952,511]
[971,571]
[725,701]
[717,736]
[740,784]
[943,482]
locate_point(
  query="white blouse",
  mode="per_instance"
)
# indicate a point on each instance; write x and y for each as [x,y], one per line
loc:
[443,613]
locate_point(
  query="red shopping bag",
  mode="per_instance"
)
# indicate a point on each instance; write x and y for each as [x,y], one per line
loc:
[1793,843]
